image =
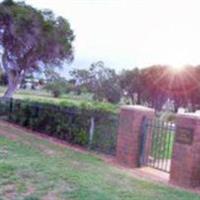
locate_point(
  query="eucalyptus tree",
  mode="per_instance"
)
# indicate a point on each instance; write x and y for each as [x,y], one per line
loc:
[101,81]
[131,83]
[31,39]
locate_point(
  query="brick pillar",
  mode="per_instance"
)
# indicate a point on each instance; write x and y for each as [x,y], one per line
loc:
[185,168]
[129,134]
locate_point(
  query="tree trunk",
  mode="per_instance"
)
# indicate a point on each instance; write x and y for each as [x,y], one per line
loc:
[10,91]
[14,79]
[132,99]
[14,76]
[138,98]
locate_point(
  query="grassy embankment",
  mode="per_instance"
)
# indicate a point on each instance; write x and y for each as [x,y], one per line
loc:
[32,168]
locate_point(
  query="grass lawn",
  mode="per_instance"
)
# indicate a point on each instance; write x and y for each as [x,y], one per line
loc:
[43,96]
[32,168]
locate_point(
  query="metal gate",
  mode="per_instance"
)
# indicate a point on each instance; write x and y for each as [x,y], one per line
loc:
[157,139]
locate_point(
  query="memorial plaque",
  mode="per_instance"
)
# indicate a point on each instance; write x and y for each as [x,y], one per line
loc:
[184,136]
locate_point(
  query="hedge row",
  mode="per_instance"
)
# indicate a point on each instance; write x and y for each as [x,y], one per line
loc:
[69,123]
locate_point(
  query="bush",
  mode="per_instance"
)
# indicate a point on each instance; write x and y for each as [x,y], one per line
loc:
[57,87]
[66,121]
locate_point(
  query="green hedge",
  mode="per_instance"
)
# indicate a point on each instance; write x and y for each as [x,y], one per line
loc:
[66,122]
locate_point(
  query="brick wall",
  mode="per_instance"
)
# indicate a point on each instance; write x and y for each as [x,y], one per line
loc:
[185,168]
[129,134]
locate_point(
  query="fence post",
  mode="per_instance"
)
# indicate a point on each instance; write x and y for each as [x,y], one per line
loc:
[91,131]
[129,134]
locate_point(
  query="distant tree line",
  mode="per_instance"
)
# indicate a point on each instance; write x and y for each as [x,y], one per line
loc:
[102,82]
[151,86]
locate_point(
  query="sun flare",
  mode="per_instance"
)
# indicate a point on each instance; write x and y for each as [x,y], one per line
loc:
[177,69]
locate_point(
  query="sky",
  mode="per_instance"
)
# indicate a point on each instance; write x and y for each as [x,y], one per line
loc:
[129,33]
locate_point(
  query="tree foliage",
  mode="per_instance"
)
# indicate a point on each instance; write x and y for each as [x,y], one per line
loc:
[31,38]
[57,87]
[158,83]
[99,80]
[131,84]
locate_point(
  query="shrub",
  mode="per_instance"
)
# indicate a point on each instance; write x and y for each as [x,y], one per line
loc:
[57,87]
[66,121]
